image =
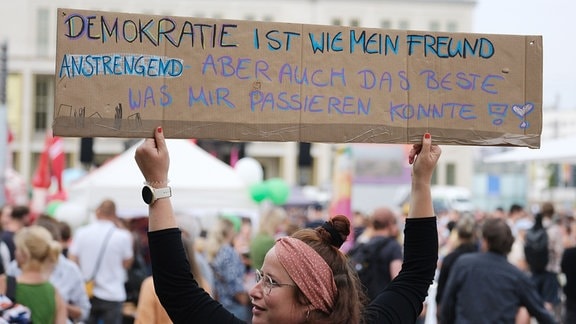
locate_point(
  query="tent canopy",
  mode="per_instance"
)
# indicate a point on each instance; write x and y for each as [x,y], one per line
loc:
[199,181]
[559,150]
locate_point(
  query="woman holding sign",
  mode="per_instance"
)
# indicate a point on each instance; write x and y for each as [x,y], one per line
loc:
[305,278]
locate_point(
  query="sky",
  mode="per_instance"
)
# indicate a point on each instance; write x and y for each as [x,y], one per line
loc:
[554,20]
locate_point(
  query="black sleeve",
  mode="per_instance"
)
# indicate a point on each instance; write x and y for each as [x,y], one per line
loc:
[175,286]
[402,301]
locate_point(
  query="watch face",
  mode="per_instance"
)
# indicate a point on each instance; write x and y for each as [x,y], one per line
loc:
[147,195]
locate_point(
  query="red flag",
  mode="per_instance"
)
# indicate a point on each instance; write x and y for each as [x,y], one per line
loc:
[41,177]
[57,160]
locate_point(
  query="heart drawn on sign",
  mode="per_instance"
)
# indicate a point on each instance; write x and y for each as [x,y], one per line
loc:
[522,112]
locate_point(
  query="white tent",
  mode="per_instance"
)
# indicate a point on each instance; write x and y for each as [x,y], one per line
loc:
[559,150]
[199,181]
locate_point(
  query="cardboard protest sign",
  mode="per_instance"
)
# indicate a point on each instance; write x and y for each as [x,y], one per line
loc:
[122,75]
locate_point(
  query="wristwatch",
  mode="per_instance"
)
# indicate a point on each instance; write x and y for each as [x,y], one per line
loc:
[150,194]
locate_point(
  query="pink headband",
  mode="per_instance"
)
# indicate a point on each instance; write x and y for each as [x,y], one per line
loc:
[309,271]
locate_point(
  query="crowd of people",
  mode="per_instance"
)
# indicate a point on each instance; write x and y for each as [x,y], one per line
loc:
[539,280]
[421,266]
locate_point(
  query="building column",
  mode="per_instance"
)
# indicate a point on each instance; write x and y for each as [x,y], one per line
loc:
[289,163]
[27,129]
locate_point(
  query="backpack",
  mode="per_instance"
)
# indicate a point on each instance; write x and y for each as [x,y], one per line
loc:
[364,259]
[536,248]
[10,311]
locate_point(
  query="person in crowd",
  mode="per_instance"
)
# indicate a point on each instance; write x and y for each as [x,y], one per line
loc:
[305,277]
[271,227]
[66,236]
[104,252]
[547,282]
[149,310]
[382,250]
[4,250]
[517,217]
[316,216]
[465,229]
[568,267]
[12,222]
[448,237]
[486,286]
[138,271]
[66,276]
[359,223]
[516,255]
[37,253]
[228,269]
[242,240]
[544,263]
[498,212]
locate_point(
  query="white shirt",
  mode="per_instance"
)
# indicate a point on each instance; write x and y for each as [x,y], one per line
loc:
[117,243]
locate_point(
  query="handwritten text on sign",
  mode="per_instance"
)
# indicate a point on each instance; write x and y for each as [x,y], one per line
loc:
[123,74]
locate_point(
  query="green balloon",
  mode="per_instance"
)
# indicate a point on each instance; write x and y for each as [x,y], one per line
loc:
[258,191]
[278,190]
[51,207]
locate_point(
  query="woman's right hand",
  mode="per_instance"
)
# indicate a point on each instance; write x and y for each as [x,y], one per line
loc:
[153,159]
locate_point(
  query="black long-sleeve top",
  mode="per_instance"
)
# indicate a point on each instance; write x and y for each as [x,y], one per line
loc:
[401,302]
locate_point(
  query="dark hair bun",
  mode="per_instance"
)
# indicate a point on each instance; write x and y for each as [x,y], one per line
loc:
[335,231]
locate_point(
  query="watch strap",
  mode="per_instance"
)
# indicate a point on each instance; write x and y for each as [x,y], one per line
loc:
[160,193]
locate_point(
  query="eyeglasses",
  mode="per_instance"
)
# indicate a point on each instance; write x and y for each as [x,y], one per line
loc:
[268,283]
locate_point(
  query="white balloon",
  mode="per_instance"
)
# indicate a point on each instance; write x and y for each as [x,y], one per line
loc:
[249,170]
[74,214]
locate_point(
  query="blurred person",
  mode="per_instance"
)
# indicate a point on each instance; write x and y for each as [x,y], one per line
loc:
[66,234]
[466,243]
[366,235]
[271,227]
[359,223]
[568,268]
[149,310]
[517,256]
[12,222]
[498,212]
[196,239]
[5,215]
[447,237]
[484,287]
[305,277]
[379,260]
[518,218]
[138,271]
[546,279]
[316,216]
[4,251]
[66,276]
[242,241]
[37,253]
[228,269]
[104,253]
